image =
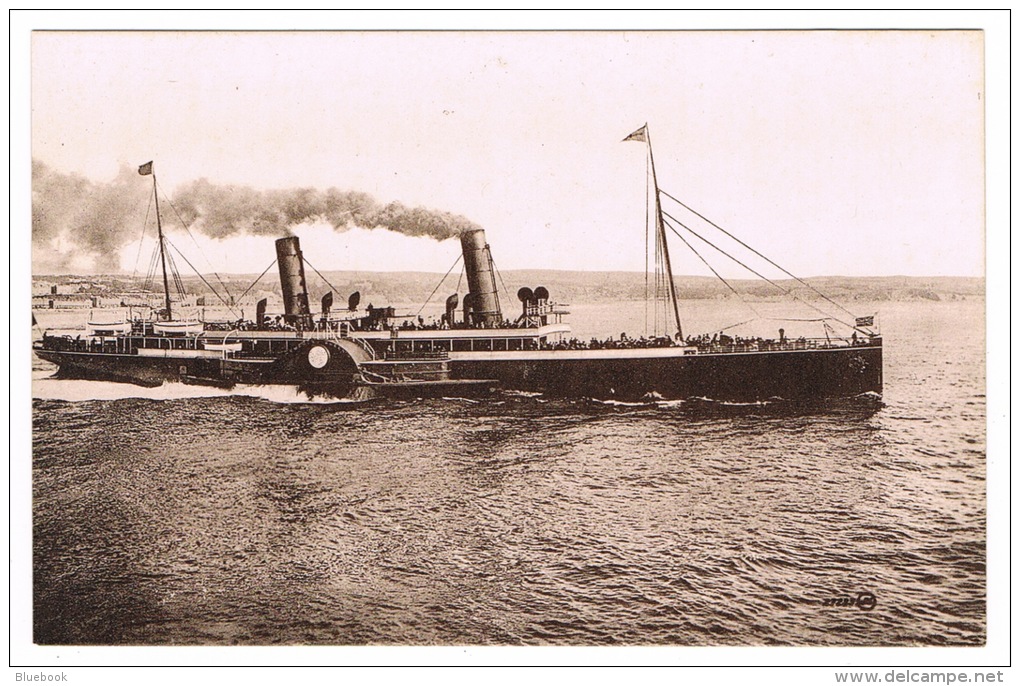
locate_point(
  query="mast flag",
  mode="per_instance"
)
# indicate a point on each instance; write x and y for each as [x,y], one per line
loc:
[145,169]
[641,135]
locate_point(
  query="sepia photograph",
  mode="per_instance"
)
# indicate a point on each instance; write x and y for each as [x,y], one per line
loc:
[481,338]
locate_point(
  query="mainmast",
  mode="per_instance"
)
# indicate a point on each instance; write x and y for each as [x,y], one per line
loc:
[643,135]
[146,170]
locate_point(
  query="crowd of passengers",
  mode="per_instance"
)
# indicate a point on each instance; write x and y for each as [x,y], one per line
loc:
[432,324]
[716,341]
[725,341]
[611,343]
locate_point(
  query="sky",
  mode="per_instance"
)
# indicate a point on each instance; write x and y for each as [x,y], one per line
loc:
[834,153]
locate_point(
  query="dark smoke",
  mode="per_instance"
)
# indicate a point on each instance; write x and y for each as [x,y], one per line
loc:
[222,211]
[99,219]
[95,219]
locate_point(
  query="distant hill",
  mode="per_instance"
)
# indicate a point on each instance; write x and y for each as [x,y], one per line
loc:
[381,288]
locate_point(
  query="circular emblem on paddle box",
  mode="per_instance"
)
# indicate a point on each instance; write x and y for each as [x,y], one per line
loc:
[318,357]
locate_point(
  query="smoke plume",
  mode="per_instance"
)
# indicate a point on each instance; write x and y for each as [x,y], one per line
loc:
[221,211]
[72,216]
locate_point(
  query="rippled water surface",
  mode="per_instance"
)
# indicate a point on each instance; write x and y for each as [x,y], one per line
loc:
[184,516]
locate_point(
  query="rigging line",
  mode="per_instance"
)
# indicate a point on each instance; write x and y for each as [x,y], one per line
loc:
[335,289]
[184,257]
[439,285]
[138,255]
[192,237]
[155,268]
[150,274]
[150,278]
[788,273]
[175,272]
[733,326]
[178,286]
[201,252]
[717,274]
[828,329]
[241,297]
[664,278]
[759,275]
[795,319]
[506,292]
[209,285]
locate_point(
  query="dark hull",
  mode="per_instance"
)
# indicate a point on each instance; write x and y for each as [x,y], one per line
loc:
[735,377]
[814,374]
[141,371]
[154,371]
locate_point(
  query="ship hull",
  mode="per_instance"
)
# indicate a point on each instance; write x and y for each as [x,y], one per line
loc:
[134,369]
[736,377]
[155,371]
[814,374]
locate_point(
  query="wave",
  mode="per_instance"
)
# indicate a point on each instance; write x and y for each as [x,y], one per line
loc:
[510,392]
[45,386]
[625,403]
[734,403]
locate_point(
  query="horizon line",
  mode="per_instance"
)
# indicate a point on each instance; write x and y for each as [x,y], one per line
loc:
[533,269]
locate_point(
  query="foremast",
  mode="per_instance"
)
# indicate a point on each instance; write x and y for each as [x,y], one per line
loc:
[147,170]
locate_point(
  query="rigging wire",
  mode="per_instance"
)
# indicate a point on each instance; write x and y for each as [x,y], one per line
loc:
[334,288]
[718,275]
[241,297]
[828,330]
[192,237]
[788,273]
[733,326]
[506,292]
[759,275]
[799,319]
[178,284]
[440,285]
[141,238]
[150,275]
[206,282]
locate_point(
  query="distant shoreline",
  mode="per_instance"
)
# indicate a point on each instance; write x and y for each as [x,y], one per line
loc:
[564,286]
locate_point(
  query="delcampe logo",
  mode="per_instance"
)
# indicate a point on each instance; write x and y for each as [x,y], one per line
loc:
[864,601]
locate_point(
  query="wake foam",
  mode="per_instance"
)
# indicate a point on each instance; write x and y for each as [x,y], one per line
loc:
[45,387]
